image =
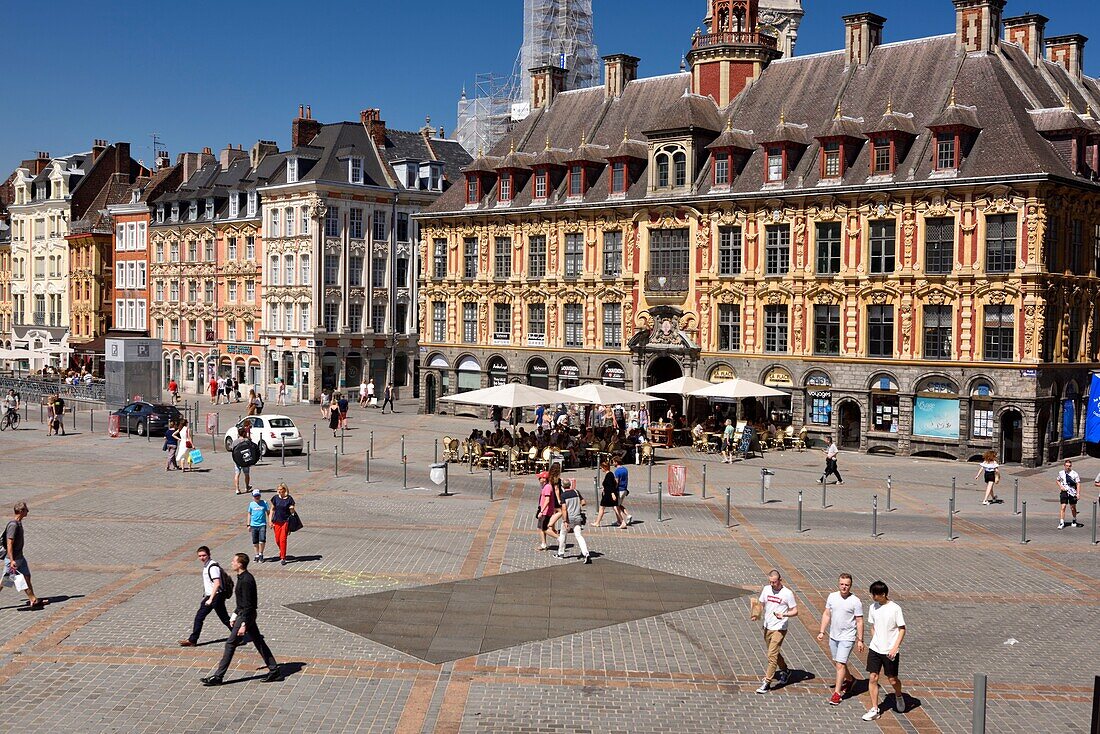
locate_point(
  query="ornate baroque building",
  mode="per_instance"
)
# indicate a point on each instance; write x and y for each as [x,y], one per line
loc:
[914,263]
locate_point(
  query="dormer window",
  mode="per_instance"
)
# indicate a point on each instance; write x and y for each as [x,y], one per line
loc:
[541,178]
[253,201]
[209,214]
[947,151]
[292,170]
[175,212]
[662,170]
[435,171]
[193,211]
[160,213]
[882,156]
[473,189]
[723,163]
[679,166]
[506,187]
[620,177]
[355,170]
[777,164]
[234,204]
[576,180]
[832,165]
[135,196]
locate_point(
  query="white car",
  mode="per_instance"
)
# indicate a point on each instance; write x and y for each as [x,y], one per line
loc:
[270,433]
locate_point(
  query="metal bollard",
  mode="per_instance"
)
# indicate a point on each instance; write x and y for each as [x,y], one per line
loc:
[889,492]
[953,494]
[649,488]
[950,518]
[446,480]
[335,461]
[1023,522]
[1015,496]
[309,451]
[874,516]
[435,456]
[367,465]
[314,434]
[404,471]
[372,443]
[800,510]
[728,506]
[148,433]
[660,503]
[704,481]
[977,718]
[1094,523]
[762,500]
[42,420]
[491,497]
[127,428]
[91,421]
[824,494]
[1095,728]
[343,432]
[282,453]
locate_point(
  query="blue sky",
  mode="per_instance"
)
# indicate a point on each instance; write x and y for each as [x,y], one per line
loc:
[205,73]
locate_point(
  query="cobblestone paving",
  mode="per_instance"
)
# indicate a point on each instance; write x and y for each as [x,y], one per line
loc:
[111,541]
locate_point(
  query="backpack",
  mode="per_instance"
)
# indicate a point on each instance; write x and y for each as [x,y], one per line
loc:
[246,453]
[226,579]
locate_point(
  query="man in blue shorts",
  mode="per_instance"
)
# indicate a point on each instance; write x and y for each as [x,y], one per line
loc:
[257,524]
[843,619]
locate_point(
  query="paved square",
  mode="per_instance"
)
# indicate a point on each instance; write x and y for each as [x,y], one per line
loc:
[450,621]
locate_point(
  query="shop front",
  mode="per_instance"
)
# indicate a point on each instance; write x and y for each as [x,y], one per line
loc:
[777,409]
[569,374]
[538,374]
[612,374]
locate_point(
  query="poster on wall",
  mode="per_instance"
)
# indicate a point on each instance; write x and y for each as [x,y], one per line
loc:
[1092,420]
[936,418]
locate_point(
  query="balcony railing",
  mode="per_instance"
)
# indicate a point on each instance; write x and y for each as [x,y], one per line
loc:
[657,283]
[737,38]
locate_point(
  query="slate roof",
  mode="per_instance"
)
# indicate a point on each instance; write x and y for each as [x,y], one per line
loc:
[994,93]
[96,219]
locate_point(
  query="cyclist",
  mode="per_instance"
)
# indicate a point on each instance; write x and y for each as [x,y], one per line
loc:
[11,407]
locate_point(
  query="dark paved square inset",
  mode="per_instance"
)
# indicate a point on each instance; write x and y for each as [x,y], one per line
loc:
[458,619]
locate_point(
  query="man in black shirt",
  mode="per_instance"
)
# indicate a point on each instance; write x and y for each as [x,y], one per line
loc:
[244,623]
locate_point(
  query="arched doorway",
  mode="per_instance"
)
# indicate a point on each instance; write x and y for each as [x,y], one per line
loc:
[1043,424]
[661,370]
[353,368]
[429,393]
[538,374]
[1012,437]
[328,371]
[849,425]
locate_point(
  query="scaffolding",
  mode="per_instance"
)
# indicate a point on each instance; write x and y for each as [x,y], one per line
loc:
[556,33]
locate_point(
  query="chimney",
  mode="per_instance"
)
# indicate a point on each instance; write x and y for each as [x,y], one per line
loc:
[546,83]
[304,128]
[163,160]
[1068,52]
[618,71]
[1027,32]
[372,120]
[228,155]
[122,157]
[261,149]
[978,24]
[862,33]
[98,146]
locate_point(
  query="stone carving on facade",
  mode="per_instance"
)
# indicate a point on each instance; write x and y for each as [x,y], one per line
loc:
[332,294]
[906,327]
[358,248]
[703,242]
[317,208]
[799,240]
[824,209]
[999,199]
[908,237]
[704,320]
[1036,229]
[824,295]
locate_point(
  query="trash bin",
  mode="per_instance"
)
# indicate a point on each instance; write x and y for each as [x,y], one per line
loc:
[438,472]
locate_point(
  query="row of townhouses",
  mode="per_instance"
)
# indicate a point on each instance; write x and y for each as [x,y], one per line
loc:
[294,266]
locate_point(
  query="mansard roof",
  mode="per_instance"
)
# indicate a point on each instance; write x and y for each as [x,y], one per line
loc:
[914,81]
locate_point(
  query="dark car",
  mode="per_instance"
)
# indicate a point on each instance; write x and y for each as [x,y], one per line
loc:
[142,418]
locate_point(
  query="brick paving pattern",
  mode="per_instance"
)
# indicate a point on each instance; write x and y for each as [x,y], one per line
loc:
[111,541]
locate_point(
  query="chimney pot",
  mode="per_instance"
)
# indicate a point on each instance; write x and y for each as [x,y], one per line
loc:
[618,71]
[309,112]
[546,83]
[301,110]
[207,151]
[862,34]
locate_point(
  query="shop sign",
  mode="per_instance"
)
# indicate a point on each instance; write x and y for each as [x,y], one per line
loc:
[238,349]
[538,369]
[536,340]
[818,379]
[614,373]
[721,373]
[779,378]
[569,370]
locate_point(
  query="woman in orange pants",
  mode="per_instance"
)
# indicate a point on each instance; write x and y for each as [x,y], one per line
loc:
[282,507]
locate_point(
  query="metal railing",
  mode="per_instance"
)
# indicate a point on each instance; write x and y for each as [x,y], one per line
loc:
[657,283]
[30,388]
[734,37]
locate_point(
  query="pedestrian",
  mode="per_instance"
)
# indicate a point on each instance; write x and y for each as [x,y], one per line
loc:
[363,393]
[324,402]
[387,398]
[223,389]
[622,475]
[609,497]
[728,434]
[256,403]
[174,391]
[779,605]
[497,414]
[244,433]
[888,630]
[343,403]
[214,588]
[992,476]
[171,445]
[282,507]
[251,409]
[1069,482]
[371,400]
[57,413]
[243,622]
[541,410]
[572,520]
[184,446]
[843,618]
[334,413]
[548,508]
[258,511]
[830,452]
[281,400]
[13,551]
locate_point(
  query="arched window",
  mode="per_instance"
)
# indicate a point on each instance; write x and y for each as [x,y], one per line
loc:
[679,163]
[885,406]
[662,170]
[289,259]
[981,409]
[936,409]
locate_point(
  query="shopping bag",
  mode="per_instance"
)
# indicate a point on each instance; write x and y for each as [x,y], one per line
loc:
[20,581]
[293,523]
[196,456]
[7,581]
[756,610]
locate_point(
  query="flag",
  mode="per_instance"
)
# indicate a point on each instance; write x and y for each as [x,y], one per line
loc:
[1092,418]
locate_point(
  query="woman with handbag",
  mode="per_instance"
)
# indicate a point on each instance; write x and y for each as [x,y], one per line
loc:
[282,508]
[171,445]
[572,519]
[334,413]
[609,499]
[183,449]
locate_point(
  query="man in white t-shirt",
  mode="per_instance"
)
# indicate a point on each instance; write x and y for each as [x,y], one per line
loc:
[363,394]
[1069,486]
[213,597]
[830,452]
[843,618]
[779,605]
[370,393]
[888,630]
